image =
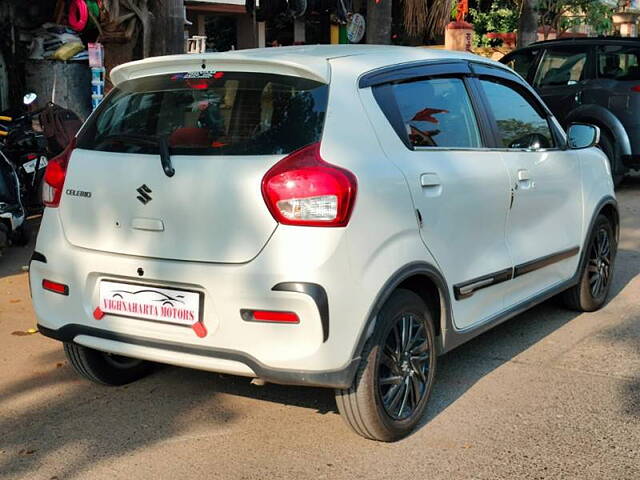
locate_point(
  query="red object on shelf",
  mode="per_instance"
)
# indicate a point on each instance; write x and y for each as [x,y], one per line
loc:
[78,15]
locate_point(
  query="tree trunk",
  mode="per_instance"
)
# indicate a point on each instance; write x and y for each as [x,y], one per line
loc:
[528,24]
[379,21]
[168,27]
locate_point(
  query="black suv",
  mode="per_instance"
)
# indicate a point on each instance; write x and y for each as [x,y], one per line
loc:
[592,80]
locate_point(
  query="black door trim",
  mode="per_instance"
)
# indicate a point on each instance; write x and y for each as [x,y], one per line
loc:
[468,288]
[542,262]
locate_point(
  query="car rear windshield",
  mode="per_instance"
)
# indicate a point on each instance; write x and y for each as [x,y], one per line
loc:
[209,113]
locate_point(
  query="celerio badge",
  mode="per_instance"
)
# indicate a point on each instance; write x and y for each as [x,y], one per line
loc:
[144,192]
[77,193]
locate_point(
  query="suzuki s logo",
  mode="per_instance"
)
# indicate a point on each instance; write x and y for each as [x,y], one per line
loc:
[144,192]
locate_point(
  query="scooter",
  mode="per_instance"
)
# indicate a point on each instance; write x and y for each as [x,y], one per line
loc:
[27,151]
[12,212]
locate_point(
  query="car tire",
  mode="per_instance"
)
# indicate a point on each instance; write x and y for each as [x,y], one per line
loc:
[104,368]
[596,272]
[608,148]
[394,380]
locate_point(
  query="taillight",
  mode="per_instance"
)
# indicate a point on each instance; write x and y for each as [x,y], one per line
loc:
[636,88]
[303,189]
[54,177]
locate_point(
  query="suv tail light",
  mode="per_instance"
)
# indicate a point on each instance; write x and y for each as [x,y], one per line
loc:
[303,189]
[54,177]
[636,88]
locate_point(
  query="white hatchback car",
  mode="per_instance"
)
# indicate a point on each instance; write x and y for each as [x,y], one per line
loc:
[333,216]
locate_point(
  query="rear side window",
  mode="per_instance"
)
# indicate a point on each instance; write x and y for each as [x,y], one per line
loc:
[619,62]
[561,66]
[209,113]
[437,113]
[522,62]
[519,123]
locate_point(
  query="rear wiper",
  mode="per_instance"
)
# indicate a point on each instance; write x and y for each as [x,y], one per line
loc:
[161,142]
[165,157]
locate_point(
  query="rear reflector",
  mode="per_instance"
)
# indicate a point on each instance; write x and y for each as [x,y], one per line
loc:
[269,316]
[55,287]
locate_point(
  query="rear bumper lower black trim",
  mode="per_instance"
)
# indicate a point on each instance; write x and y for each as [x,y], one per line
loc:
[332,379]
[319,296]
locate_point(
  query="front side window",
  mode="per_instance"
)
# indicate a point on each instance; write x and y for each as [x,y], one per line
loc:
[209,113]
[619,62]
[519,123]
[437,113]
[561,66]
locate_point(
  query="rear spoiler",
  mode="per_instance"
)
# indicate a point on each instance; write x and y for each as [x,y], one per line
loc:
[312,68]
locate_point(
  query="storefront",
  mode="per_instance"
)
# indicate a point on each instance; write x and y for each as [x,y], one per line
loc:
[226,24]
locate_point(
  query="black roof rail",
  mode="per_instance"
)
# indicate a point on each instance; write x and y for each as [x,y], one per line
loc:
[588,39]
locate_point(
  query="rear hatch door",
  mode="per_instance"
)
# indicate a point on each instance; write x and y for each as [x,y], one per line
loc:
[170,166]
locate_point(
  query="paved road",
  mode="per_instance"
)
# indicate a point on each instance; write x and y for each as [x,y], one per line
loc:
[550,394]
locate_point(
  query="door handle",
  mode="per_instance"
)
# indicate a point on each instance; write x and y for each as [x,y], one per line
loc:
[524,179]
[430,180]
[523,175]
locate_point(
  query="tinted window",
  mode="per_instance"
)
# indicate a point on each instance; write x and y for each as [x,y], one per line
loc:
[619,62]
[437,113]
[561,66]
[522,62]
[519,124]
[210,113]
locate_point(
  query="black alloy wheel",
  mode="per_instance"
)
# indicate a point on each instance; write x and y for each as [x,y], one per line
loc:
[403,367]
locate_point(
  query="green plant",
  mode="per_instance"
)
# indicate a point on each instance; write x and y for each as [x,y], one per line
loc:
[497,19]
[562,15]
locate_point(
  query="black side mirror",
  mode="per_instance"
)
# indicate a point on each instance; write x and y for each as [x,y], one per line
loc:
[582,135]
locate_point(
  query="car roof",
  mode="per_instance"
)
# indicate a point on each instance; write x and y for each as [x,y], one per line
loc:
[309,61]
[581,41]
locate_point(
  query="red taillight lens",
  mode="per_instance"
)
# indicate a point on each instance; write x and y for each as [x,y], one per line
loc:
[636,88]
[55,287]
[54,177]
[303,189]
[269,316]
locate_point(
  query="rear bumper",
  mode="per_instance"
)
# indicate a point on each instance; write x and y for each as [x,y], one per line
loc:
[335,379]
[304,272]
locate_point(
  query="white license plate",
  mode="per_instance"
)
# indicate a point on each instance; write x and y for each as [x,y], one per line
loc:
[182,307]
[30,166]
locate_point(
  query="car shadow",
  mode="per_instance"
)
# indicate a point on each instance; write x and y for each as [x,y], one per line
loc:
[14,259]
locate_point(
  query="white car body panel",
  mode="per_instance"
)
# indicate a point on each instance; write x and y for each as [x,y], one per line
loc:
[240,253]
[546,217]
